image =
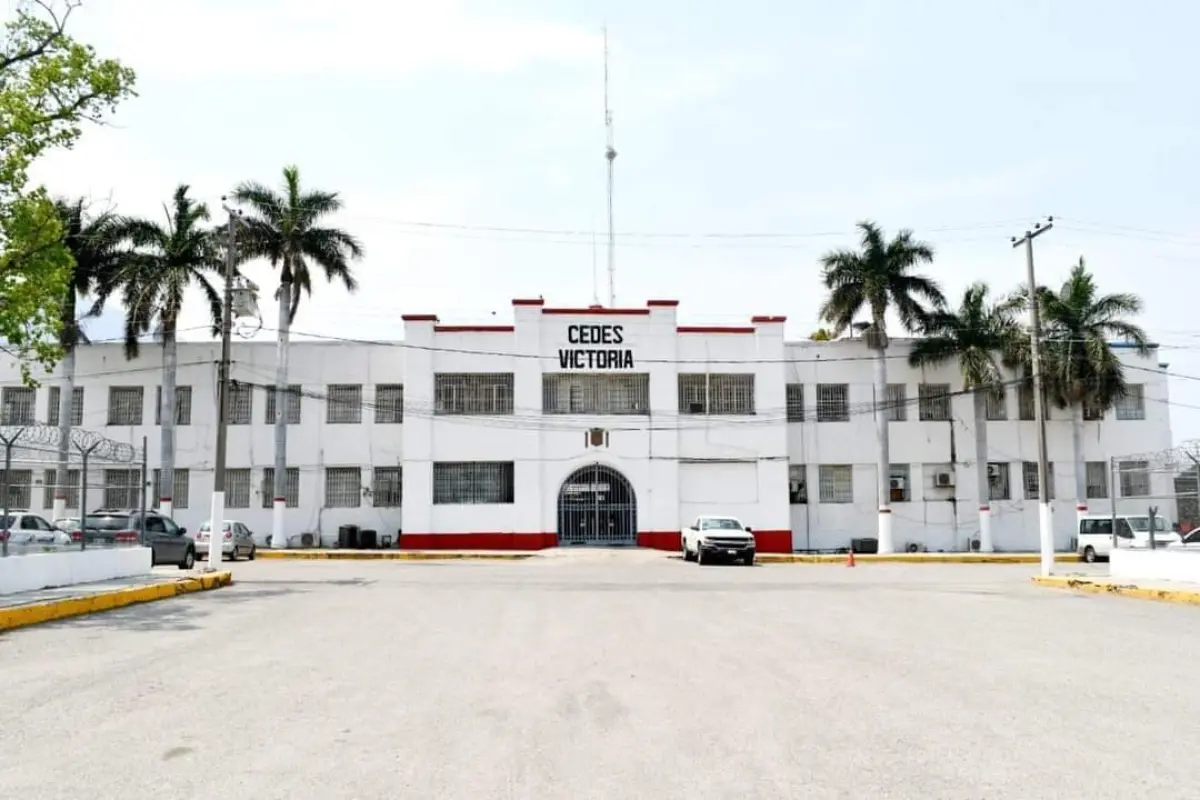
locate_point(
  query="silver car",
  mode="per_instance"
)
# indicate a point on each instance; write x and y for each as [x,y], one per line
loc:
[236,541]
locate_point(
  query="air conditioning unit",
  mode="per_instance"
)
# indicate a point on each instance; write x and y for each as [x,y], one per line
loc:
[915,547]
[944,480]
[994,471]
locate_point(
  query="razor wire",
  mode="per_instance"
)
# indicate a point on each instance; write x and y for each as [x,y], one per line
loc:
[40,439]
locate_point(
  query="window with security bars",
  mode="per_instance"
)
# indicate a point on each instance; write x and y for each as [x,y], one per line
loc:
[240,402]
[179,494]
[53,406]
[1029,477]
[900,483]
[291,488]
[996,404]
[343,487]
[237,488]
[798,484]
[596,393]
[1097,479]
[473,393]
[183,406]
[473,482]
[897,402]
[795,402]
[1025,409]
[343,404]
[833,402]
[122,488]
[1133,404]
[387,487]
[999,480]
[1135,478]
[933,401]
[389,404]
[50,488]
[291,408]
[20,488]
[714,393]
[1092,411]
[125,405]
[836,483]
[17,405]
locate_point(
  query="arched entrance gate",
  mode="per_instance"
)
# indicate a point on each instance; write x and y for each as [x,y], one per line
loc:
[597,506]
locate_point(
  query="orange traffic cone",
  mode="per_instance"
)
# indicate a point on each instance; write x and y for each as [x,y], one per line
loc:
[850,557]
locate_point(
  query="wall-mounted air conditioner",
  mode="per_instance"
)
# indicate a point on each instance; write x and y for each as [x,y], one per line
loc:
[897,484]
[944,480]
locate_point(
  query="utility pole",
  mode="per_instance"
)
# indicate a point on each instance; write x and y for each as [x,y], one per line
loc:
[216,528]
[1045,521]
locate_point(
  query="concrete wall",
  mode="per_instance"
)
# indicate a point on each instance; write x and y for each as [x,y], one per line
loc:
[1160,564]
[29,573]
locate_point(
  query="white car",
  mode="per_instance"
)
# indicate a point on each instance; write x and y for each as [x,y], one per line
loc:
[1133,530]
[237,540]
[24,528]
[710,537]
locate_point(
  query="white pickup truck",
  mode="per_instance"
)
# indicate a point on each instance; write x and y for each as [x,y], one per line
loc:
[709,538]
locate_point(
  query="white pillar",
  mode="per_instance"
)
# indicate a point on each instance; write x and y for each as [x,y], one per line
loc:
[216,530]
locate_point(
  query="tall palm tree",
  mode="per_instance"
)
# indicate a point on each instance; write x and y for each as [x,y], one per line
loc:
[95,244]
[980,335]
[873,279]
[167,258]
[285,228]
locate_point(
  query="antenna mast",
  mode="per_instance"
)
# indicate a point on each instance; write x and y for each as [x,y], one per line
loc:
[610,154]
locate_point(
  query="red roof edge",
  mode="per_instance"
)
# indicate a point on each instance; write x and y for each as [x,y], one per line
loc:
[714,329]
[761,319]
[598,311]
[662,303]
[535,301]
[419,317]
[473,328]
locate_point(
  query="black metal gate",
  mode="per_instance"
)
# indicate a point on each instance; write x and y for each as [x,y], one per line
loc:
[597,506]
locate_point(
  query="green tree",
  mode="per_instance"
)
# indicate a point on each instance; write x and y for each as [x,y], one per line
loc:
[875,278]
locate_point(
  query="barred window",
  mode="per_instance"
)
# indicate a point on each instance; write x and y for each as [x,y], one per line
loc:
[999,481]
[122,488]
[389,404]
[897,402]
[55,400]
[125,405]
[344,404]
[473,393]
[795,402]
[933,401]
[900,483]
[179,495]
[291,408]
[599,394]
[473,482]
[1133,404]
[20,488]
[343,487]
[724,394]
[1092,411]
[1025,407]
[996,404]
[387,488]
[833,402]
[1097,480]
[1135,478]
[183,406]
[240,402]
[836,483]
[1029,476]
[70,489]
[18,406]
[237,488]
[798,484]
[291,488]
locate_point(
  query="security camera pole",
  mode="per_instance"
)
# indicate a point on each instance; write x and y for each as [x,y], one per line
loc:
[216,531]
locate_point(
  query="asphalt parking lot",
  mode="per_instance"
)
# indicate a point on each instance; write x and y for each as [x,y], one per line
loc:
[608,675]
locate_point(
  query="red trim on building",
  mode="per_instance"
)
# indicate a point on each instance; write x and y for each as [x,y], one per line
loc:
[478,541]
[473,328]
[164,499]
[419,317]
[598,311]
[535,301]
[662,303]
[758,320]
[714,329]
[765,541]
[1081,507]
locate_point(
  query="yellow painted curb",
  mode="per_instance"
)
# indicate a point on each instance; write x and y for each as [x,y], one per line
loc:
[914,558]
[50,610]
[1182,596]
[387,555]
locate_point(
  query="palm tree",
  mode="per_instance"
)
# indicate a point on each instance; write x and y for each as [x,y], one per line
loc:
[873,279]
[979,335]
[168,258]
[285,229]
[95,245]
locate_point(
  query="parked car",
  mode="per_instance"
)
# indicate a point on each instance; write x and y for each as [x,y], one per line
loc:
[1133,530]
[67,524]
[236,541]
[22,527]
[168,543]
[709,538]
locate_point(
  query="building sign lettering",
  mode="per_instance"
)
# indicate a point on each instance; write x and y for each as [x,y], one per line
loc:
[593,356]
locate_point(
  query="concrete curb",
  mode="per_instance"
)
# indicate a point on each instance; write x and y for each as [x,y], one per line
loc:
[50,610]
[387,555]
[914,558]
[1181,596]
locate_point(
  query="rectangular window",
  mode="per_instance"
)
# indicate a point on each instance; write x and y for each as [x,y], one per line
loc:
[473,482]
[291,491]
[795,402]
[999,481]
[997,404]
[897,402]
[237,488]
[125,405]
[179,497]
[1097,480]
[717,394]
[240,402]
[836,483]
[1135,478]
[900,483]
[70,490]
[389,404]
[798,484]
[1025,407]
[183,405]
[387,488]
[473,393]
[1029,477]
[52,407]
[933,401]
[833,402]
[600,394]
[20,488]
[344,404]
[291,409]
[1133,404]
[18,406]
[122,488]
[343,487]
[1092,412]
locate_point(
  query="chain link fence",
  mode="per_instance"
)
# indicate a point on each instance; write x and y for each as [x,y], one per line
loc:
[1163,484]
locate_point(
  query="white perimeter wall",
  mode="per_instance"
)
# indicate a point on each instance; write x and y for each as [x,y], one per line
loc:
[29,573]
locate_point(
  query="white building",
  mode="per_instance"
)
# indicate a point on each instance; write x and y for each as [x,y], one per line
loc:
[596,425]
